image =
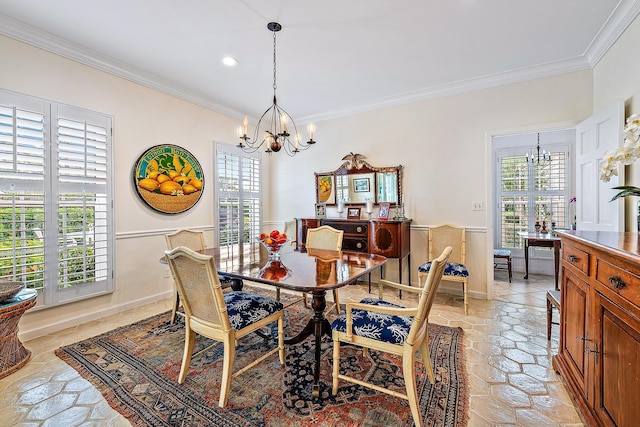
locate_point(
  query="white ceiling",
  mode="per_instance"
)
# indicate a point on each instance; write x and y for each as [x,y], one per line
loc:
[335,57]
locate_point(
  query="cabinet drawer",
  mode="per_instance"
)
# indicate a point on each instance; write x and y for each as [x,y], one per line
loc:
[576,257]
[355,244]
[355,228]
[620,281]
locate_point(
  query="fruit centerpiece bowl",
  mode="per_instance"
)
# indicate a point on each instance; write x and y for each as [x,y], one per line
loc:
[274,270]
[273,242]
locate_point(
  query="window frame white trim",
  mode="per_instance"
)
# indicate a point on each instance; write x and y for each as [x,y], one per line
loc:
[52,294]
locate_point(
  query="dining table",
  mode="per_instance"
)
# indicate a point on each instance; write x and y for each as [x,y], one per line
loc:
[545,240]
[312,271]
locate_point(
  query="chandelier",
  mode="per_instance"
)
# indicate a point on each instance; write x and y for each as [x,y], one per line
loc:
[539,158]
[275,123]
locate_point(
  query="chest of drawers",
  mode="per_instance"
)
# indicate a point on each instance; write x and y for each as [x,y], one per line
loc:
[600,325]
[387,238]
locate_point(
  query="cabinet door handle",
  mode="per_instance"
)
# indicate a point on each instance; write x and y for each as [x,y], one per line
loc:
[617,282]
[594,351]
[572,258]
[359,229]
[581,338]
[359,245]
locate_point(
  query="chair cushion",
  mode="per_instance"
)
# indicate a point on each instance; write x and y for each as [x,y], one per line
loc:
[381,327]
[451,269]
[245,308]
[504,253]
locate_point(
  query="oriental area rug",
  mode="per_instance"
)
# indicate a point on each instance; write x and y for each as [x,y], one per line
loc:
[135,367]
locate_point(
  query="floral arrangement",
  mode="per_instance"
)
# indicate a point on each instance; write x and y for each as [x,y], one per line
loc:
[626,155]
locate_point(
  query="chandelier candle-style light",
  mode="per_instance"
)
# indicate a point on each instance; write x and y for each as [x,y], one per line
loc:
[274,124]
[539,158]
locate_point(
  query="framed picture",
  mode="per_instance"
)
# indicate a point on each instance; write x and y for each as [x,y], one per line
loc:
[384,211]
[325,189]
[168,179]
[361,185]
[353,213]
[321,210]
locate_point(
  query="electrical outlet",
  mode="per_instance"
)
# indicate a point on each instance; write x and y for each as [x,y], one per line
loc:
[476,206]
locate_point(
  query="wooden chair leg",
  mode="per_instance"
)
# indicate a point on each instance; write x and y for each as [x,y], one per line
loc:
[227,368]
[174,309]
[336,300]
[426,359]
[336,365]
[189,344]
[549,318]
[509,268]
[408,363]
[281,337]
[465,286]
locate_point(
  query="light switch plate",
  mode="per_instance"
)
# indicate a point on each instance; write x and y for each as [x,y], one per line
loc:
[476,206]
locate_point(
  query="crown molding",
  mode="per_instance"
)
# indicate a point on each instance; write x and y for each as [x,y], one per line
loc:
[616,24]
[486,82]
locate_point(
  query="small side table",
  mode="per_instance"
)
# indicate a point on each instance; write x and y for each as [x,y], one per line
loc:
[13,355]
[545,240]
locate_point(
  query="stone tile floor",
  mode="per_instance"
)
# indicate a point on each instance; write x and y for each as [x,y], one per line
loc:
[508,359]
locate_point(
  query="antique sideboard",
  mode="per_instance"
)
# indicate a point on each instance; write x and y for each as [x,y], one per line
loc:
[387,238]
[600,325]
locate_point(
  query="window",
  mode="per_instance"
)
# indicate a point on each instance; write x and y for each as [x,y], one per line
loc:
[528,193]
[56,219]
[238,200]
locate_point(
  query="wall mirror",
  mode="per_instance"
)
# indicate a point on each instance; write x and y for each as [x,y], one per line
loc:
[356,181]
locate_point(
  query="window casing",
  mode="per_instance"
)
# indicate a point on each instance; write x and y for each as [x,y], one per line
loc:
[238,200]
[56,210]
[527,193]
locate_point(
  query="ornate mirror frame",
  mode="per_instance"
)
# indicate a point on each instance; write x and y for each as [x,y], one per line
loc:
[356,182]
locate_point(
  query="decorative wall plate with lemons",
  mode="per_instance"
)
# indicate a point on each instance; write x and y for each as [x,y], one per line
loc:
[168,179]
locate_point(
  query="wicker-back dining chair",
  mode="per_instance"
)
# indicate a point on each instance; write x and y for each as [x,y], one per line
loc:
[456,271]
[189,239]
[379,325]
[328,238]
[224,318]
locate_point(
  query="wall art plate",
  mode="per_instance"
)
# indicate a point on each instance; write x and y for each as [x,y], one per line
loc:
[168,179]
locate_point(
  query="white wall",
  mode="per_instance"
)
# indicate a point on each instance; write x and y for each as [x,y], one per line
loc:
[443,144]
[616,77]
[141,118]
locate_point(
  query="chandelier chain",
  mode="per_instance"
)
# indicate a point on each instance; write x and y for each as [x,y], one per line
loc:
[274,64]
[276,125]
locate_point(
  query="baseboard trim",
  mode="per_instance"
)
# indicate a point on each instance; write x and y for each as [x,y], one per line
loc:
[29,334]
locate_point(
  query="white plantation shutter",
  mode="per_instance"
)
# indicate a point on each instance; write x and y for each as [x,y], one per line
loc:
[238,200]
[56,219]
[528,193]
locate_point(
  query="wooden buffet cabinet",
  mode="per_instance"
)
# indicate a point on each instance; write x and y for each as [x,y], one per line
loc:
[599,353]
[387,238]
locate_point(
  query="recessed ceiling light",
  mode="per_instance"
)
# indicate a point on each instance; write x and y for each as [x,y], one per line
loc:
[229,61]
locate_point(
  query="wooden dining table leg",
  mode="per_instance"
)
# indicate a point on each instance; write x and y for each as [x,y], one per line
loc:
[318,325]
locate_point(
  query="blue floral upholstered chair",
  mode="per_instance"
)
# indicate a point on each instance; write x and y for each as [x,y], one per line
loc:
[455,271]
[383,326]
[224,318]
